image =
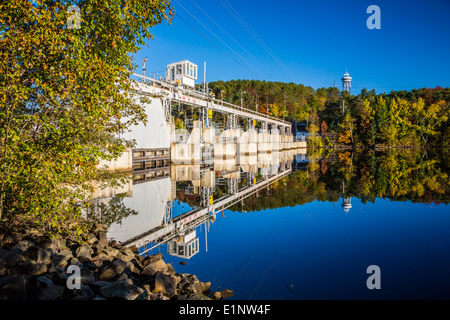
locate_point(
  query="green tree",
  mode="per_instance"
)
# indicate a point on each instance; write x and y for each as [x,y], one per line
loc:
[65,98]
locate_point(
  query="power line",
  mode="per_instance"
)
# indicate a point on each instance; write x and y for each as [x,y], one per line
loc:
[253,34]
[250,54]
[213,42]
[193,16]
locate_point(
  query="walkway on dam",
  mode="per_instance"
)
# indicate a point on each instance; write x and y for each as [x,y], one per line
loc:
[163,89]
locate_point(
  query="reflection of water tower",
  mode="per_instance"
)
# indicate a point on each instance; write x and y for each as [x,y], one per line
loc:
[346,204]
[346,201]
[346,82]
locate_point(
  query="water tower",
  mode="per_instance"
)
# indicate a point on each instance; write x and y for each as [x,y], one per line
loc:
[346,81]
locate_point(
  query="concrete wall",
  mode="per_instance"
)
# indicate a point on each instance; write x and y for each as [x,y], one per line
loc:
[156,133]
[123,163]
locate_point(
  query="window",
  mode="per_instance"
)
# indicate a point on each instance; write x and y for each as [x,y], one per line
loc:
[179,70]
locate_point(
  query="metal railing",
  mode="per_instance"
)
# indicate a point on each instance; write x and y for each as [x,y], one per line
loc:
[207,97]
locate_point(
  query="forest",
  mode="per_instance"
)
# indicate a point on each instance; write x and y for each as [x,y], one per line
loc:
[399,175]
[418,117]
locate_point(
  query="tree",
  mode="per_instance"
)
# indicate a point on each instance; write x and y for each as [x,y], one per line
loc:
[430,118]
[347,127]
[65,98]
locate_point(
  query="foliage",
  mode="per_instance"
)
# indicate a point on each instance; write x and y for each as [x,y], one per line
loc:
[417,117]
[416,176]
[65,99]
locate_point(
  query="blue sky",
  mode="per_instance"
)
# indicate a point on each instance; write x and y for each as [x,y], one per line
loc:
[308,42]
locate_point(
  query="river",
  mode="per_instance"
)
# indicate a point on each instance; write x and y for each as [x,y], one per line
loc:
[299,226]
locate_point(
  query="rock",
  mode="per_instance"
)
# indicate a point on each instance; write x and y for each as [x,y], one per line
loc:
[34,266]
[216,295]
[164,283]
[37,254]
[61,259]
[44,281]
[107,274]
[3,253]
[198,296]
[134,249]
[111,251]
[53,292]
[84,293]
[158,265]
[87,276]
[122,289]
[36,269]
[84,251]
[157,296]
[91,239]
[98,227]
[170,269]
[205,286]
[101,284]
[102,256]
[148,271]
[22,246]
[126,254]
[11,259]
[190,284]
[117,267]
[13,287]
[193,288]
[150,259]
[12,239]
[74,261]
[102,240]
[50,245]
[183,263]
[226,293]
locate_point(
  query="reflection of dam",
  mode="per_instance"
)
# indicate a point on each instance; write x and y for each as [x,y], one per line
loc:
[153,199]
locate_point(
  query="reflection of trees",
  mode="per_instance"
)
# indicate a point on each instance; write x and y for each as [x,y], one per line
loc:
[111,211]
[397,175]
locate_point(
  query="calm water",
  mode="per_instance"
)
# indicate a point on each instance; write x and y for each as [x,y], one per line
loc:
[295,239]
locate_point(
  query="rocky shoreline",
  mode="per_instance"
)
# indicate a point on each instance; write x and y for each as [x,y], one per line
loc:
[38,267]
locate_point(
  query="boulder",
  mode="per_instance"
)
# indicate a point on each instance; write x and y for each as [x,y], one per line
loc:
[158,265]
[164,283]
[122,289]
[53,292]
[116,268]
[13,287]
[22,246]
[61,259]
[37,269]
[37,254]
[84,251]
[102,240]
[226,293]
[216,295]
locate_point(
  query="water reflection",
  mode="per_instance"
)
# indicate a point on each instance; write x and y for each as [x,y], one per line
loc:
[297,226]
[172,210]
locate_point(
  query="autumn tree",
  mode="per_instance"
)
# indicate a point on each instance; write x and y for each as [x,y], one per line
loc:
[65,99]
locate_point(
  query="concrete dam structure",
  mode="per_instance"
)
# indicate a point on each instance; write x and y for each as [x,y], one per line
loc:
[159,144]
